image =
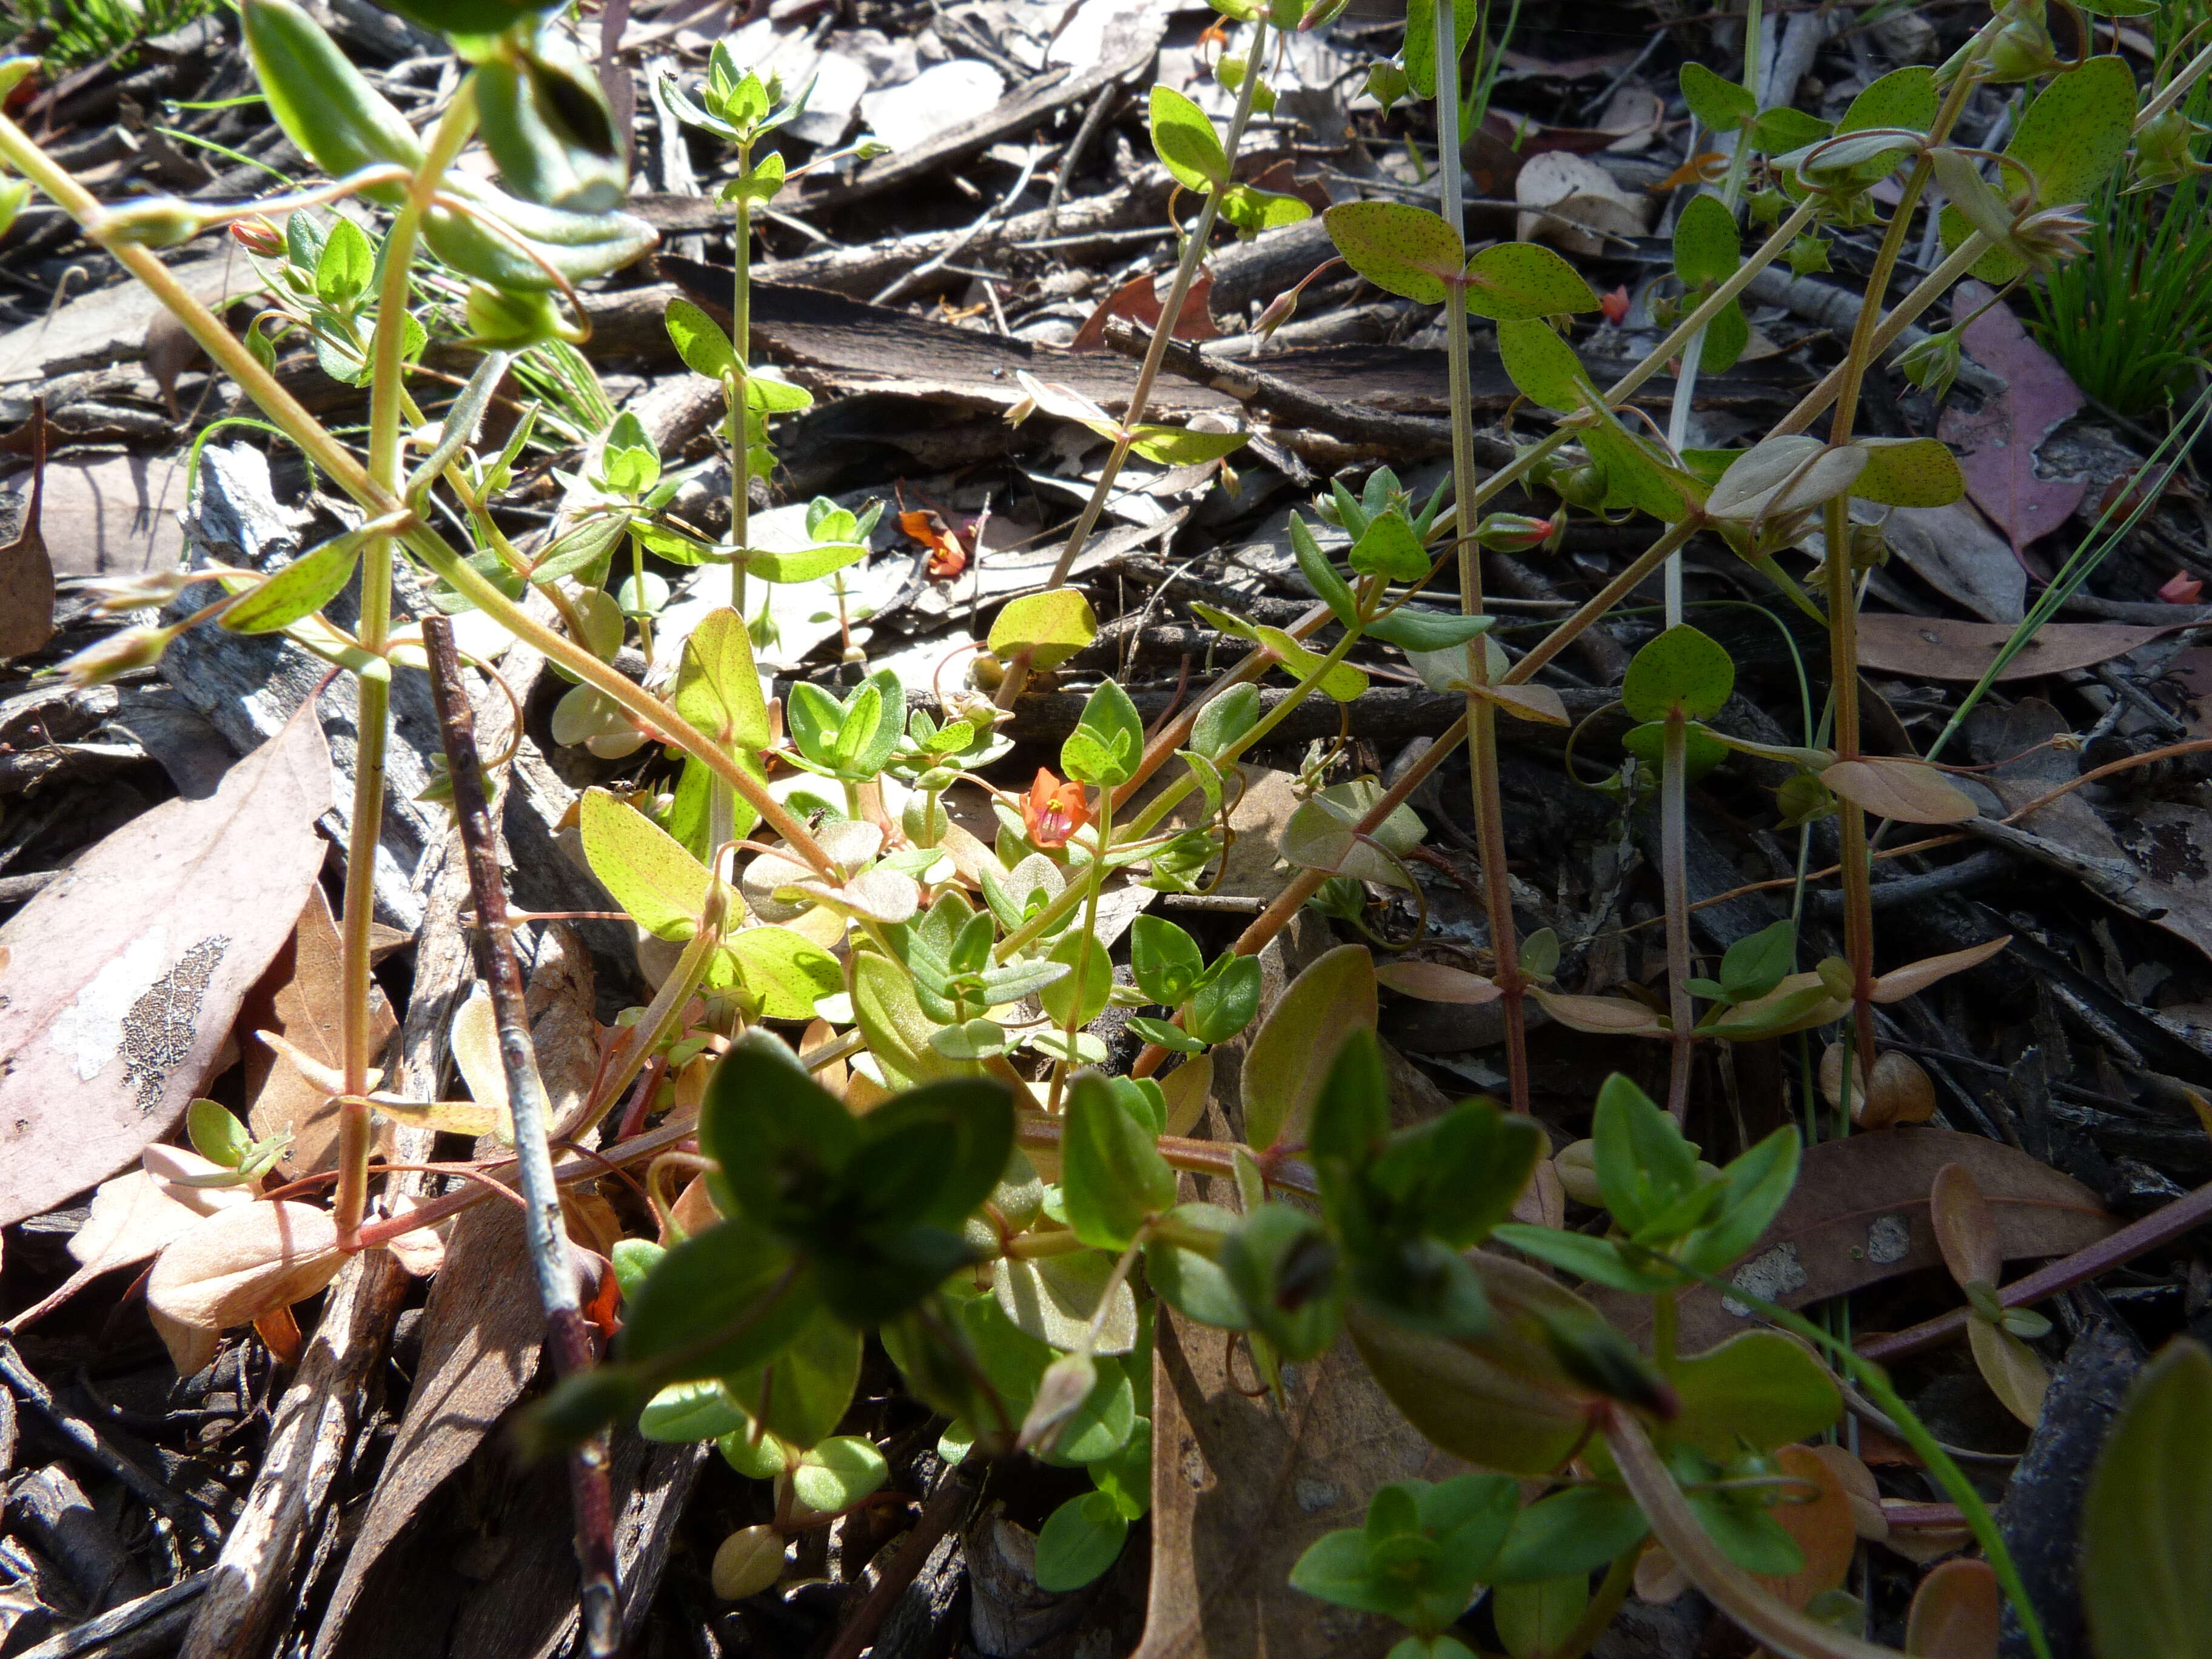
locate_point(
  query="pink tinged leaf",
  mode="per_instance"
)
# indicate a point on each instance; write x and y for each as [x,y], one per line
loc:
[1966,1227]
[1954,1613]
[232,1268]
[1997,444]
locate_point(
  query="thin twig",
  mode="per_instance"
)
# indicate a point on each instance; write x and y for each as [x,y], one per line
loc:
[946,1507]
[566,1336]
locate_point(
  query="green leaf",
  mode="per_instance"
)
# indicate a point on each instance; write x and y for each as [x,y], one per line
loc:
[1291,1054]
[1164,960]
[804,564]
[1343,682]
[786,970]
[1112,1177]
[1288,1272]
[1055,1297]
[1336,1567]
[1681,671]
[1532,1618]
[299,589]
[1191,1282]
[1598,1260]
[778,1136]
[1080,1539]
[1523,279]
[1707,249]
[1402,250]
[217,1134]
[1248,210]
[1544,366]
[1758,963]
[802,1394]
[1182,445]
[1719,105]
[1419,52]
[2147,1527]
[589,544]
[1777,131]
[661,886]
[834,1477]
[1108,740]
[1577,1530]
[347,266]
[1903,98]
[1319,835]
[717,686]
[1643,1165]
[1757,1183]
[1761,1389]
[725,1299]
[1225,1005]
[1727,338]
[1909,472]
[1184,138]
[1416,630]
[699,341]
[1052,626]
[1389,548]
[896,1030]
[1330,587]
[691,1411]
[631,460]
[1633,476]
[1079,996]
[2073,136]
[1225,719]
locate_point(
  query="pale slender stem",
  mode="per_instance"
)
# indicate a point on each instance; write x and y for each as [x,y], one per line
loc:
[1674,872]
[373,685]
[1140,397]
[741,330]
[1783,1630]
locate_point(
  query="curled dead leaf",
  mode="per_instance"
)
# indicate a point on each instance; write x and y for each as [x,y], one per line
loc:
[1917,976]
[1905,790]
[231,1268]
[1436,982]
[1954,1613]
[1900,1092]
[1918,1539]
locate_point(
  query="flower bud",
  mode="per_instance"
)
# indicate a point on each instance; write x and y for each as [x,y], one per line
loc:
[2022,51]
[2162,154]
[257,235]
[2051,236]
[117,655]
[504,321]
[1514,532]
[1807,254]
[147,591]
[1932,364]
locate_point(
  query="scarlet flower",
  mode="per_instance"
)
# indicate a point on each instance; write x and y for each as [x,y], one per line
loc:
[1052,811]
[2181,588]
[1614,305]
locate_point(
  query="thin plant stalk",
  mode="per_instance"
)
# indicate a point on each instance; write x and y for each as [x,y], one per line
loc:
[1674,792]
[552,1264]
[1194,253]
[1481,715]
[373,679]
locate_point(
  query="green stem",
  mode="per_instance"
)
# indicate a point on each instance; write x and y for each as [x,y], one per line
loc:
[1094,877]
[1140,397]
[1612,1591]
[373,685]
[1674,873]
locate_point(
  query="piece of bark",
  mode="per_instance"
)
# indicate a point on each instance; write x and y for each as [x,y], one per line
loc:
[51,1505]
[308,1447]
[2041,1518]
[151,1623]
[1026,108]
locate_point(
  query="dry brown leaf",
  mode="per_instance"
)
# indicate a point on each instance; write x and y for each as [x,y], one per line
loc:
[169,921]
[232,1267]
[1921,1541]
[1858,1484]
[422,1251]
[1599,1016]
[2012,1369]
[1966,1228]
[1659,1579]
[27,574]
[476,1050]
[1241,1488]
[1824,1528]
[1954,1613]
[1915,977]
[1582,199]
[1186,1089]
[1538,703]
[1436,982]
[1859,1216]
[1942,648]
[1138,301]
[298,999]
[1905,790]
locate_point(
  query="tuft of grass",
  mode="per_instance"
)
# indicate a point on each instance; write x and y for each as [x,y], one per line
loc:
[71,33]
[2131,319]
